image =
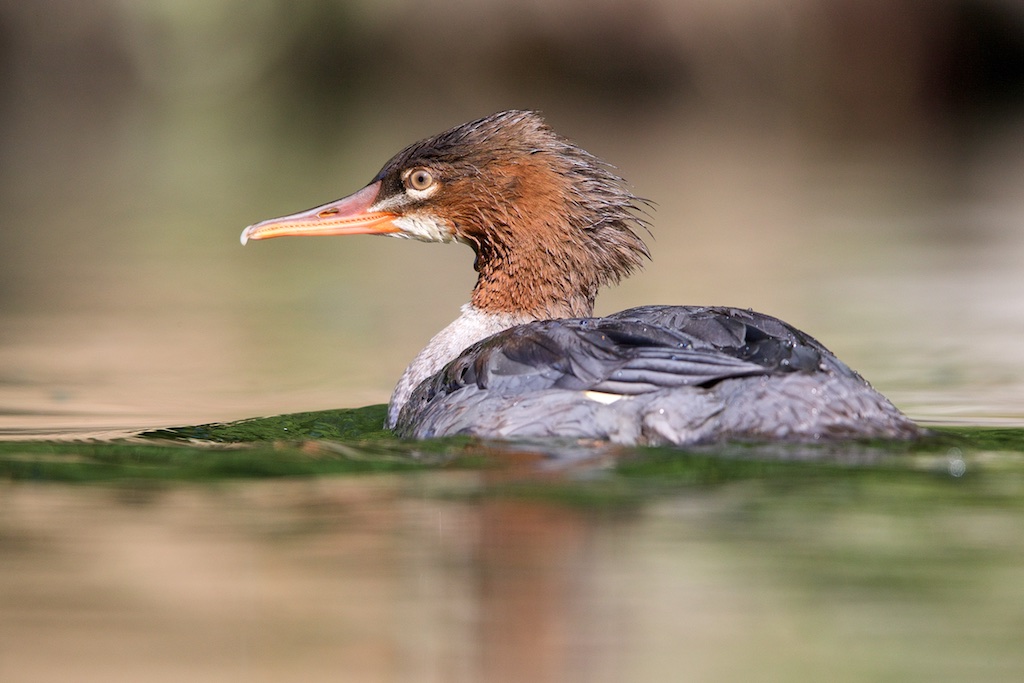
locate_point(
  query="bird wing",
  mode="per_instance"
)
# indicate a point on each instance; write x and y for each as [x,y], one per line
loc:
[632,352]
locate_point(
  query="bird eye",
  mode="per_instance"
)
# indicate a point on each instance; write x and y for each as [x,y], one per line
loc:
[420,179]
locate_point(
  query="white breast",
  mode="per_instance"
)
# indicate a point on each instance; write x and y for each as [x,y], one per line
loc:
[469,328]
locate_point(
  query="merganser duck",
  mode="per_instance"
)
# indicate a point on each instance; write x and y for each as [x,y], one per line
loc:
[550,224]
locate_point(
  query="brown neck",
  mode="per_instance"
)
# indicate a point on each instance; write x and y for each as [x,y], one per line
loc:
[549,227]
[541,281]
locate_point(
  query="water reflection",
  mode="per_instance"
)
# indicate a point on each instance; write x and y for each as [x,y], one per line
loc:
[421,579]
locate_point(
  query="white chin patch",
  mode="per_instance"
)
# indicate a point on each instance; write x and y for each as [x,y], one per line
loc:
[423,227]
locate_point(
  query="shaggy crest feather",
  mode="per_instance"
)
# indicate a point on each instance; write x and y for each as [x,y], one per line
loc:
[550,223]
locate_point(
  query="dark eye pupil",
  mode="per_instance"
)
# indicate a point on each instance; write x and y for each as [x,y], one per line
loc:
[421,179]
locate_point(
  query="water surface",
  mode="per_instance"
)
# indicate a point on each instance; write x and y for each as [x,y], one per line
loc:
[846,167]
[676,565]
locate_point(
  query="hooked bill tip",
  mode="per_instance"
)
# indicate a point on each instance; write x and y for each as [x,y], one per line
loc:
[245,236]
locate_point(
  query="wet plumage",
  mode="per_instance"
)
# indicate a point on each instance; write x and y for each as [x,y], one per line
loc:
[550,224]
[652,375]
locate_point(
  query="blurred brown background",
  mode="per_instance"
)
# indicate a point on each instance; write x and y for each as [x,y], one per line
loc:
[853,166]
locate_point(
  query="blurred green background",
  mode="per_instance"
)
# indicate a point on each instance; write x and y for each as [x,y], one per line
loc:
[855,167]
